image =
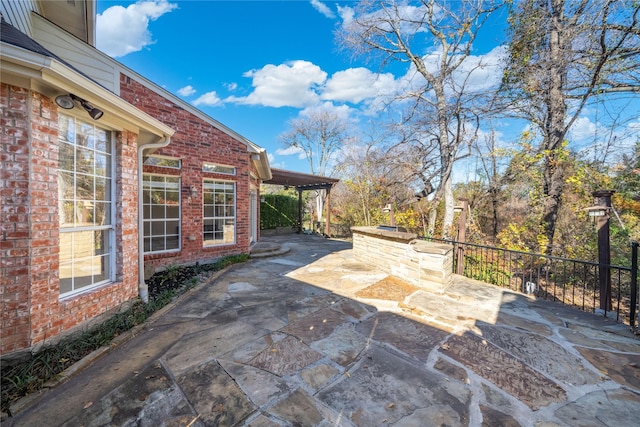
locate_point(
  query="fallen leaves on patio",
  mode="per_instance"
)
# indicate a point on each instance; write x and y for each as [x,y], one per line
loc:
[389,288]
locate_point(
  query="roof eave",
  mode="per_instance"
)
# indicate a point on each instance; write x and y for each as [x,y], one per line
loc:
[52,77]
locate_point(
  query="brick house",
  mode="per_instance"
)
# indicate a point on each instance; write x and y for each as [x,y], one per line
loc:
[103,175]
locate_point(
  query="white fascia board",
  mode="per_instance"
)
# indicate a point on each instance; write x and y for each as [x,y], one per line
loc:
[261,162]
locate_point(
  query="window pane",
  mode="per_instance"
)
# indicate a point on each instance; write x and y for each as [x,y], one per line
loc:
[157,228]
[101,268]
[84,161]
[66,157]
[103,188]
[173,211]
[66,185]
[84,136]
[157,244]
[66,213]
[173,242]
[173,197]
[66,277]
[227,170]
[172,227]
[103,164]
[166,162]
[103,141]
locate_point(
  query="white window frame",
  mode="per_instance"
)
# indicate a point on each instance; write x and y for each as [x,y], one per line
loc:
[225,217]
[147,207]
[77,231]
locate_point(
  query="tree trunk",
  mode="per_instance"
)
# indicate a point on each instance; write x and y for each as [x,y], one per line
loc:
[433,214]
[553,177]
[449,204]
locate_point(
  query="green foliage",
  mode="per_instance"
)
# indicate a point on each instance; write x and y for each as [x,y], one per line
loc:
[479,268]
[278,211]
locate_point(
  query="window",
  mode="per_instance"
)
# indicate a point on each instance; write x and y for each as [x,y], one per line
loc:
[162,161]
[227,170]
[219,200]
[161,206]
[85,198]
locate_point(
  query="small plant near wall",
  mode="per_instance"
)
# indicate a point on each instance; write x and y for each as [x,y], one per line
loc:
[30,375]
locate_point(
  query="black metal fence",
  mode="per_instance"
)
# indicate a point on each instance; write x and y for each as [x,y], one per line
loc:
[568,281]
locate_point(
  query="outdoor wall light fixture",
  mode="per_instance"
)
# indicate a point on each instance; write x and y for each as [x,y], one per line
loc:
[69,101]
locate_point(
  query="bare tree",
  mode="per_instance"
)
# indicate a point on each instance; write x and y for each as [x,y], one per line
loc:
[319,134]
[442,115]
[562,53]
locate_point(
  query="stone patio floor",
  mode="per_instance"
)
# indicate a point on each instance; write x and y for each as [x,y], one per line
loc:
[314,337]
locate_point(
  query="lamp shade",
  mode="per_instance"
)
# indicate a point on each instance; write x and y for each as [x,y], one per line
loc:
[65,101]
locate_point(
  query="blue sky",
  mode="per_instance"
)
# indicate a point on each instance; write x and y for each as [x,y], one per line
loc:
[254,65]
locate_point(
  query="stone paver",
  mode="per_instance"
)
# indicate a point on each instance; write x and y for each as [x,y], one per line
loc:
[311,338]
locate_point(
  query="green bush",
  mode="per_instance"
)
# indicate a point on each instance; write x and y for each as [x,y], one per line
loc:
[278,211]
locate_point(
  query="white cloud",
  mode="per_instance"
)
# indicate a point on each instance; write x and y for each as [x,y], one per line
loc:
[347,14]
[582,130]
[284,85]
[478,73]
[210,99]
[273,163]
[411,18]
[340,111]
[357,84]
[232,86]
[186,91]
[120,30]
[322,8]
[291,151]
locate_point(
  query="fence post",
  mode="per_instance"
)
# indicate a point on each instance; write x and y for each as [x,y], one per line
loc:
[462,235]
[634,285]
[601,211]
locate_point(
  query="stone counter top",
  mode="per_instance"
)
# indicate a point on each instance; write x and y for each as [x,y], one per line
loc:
[387,234]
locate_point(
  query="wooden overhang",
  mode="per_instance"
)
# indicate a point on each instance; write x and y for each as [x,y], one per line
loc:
[302,182]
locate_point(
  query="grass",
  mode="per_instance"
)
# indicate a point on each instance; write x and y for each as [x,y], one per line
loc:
[31,375]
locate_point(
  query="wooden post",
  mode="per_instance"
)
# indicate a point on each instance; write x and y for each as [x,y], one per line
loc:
[462,235]
[603,199]
[299,211]
[327,202]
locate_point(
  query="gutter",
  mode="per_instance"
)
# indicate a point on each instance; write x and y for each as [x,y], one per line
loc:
[143,288]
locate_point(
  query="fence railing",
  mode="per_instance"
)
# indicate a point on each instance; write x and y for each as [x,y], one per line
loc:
[568,281]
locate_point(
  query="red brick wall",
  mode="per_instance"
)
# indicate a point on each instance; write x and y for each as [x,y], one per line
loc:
[15,242]
[29,244]
[195,141]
